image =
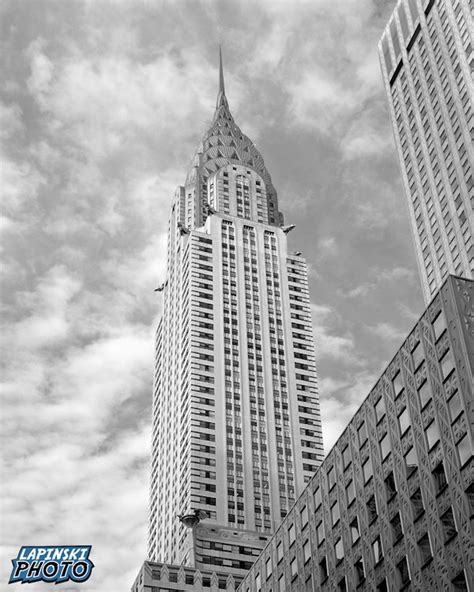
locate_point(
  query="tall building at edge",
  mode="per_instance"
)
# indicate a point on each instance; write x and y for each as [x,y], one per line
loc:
[427,59]
[392,506]
[236,422]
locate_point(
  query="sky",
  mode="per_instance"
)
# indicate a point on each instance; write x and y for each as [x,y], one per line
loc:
[102,106]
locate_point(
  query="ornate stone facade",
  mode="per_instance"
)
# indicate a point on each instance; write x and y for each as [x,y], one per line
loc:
[392,505]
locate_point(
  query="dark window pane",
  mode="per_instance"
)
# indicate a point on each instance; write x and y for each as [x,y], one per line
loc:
[355,534]
[371,508]
[390,485]
[449,526]
[403,571]
[396,524]
[425,548]
[439,476]
[417,504]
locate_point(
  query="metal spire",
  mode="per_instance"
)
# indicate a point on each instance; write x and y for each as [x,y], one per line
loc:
[221,98]
[221,73]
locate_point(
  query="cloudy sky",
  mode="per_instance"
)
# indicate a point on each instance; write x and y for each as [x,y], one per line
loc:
[103,104]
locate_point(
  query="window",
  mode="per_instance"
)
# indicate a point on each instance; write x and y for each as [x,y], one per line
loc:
[449,526]
[411,461]
[459,582]
[377,550]
[335,514]
[464,450]
[307,551]
[439,325]
[258,582]
[439,476]
[279,551]
[359,571]
[403,572]
[367,469]
[396,525]
[455,406]
[339,550]
[417,356]
[291,534]
[281,584]
[432,434]
[293,567]
[350,492]
[268,567]
[424,392]
[331,477]
[385,446]
[390,486]
[404,421]
[424,547]
[342,586]
[323,569]
[382,586]
[362,433]
[320,532]
[379,409]
[417,504]
[304,516]
[317,498]
[371,509]
[346,457]
[447,364]
[354,527]
[397,384]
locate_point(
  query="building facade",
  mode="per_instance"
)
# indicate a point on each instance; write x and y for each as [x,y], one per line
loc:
[392,506]
[236,423]
[427,59]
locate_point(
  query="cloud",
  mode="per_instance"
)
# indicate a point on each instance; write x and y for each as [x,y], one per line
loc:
[102,110]
[387,332]
[340,399]
[380,277]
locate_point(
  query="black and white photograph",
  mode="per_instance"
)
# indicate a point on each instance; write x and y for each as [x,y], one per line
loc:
[237,295]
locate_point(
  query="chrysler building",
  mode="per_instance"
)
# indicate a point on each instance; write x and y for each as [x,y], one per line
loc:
[236,421]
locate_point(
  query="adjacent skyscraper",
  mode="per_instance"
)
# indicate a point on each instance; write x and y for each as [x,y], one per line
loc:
[392,505]
[426,53]
[236,423]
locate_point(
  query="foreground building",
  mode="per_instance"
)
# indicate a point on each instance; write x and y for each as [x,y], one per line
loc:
[236,424]
[426,54]
[392,505]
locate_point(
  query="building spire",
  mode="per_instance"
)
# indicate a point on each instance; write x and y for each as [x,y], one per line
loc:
[221,73]
[221,98]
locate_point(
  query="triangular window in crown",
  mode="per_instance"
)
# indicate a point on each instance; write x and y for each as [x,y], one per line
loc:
[234,155]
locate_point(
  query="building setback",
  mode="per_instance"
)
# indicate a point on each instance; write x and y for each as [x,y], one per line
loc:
[426,55]
[392,505]
[236,423]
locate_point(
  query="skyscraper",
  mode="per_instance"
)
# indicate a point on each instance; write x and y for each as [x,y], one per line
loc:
[426,54]
[392,505]
[236,423]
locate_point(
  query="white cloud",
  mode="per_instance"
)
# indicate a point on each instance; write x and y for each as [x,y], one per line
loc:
[388,332]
